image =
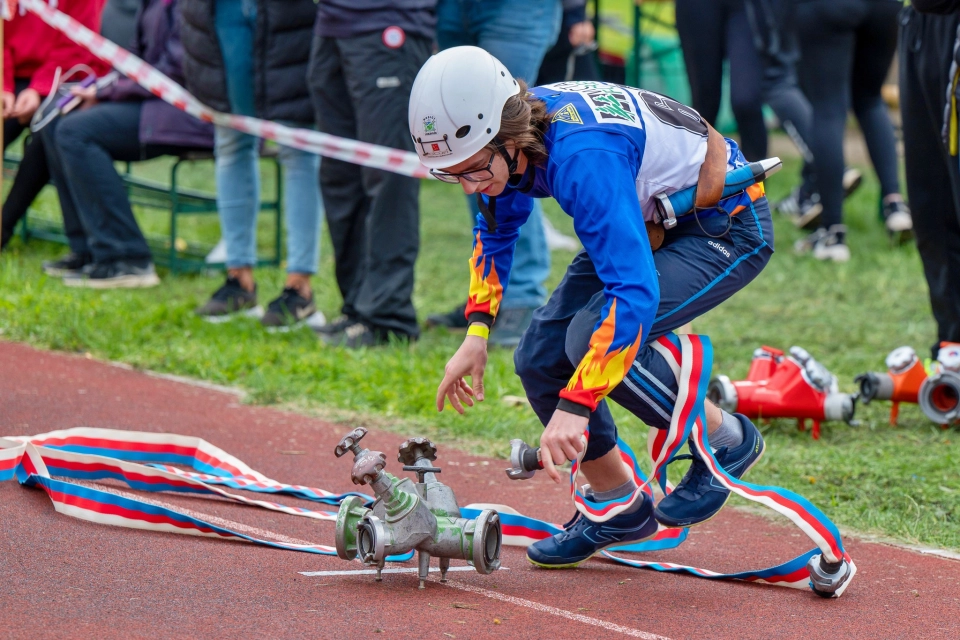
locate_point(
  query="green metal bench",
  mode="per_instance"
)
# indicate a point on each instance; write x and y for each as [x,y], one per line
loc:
[171,251]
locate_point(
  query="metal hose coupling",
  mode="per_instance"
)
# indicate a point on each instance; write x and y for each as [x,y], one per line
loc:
[939,396]
[827,578]
[408,516]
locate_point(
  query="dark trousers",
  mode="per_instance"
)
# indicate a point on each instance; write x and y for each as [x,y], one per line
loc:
[775,36]
[847,47]
[360,89]
[81,148]
[711,31]
[32,175]
[933,178]
[697,271]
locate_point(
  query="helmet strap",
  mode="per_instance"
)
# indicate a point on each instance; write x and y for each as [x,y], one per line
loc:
[511,162]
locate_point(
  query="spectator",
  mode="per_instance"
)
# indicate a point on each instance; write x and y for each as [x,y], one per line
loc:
[365,56]
[119,22]
[711,31]
[517,33]
[775,34]
[928,66]
[249,57]
[847,48]
[122,122]
[32,52]
[571,58]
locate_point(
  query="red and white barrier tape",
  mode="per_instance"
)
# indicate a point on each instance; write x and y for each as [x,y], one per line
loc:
[368,155]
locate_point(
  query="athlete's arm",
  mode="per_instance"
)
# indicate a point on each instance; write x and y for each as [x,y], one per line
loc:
[597,187]
[489,273]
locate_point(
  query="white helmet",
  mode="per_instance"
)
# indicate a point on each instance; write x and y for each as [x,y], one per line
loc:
[456,103]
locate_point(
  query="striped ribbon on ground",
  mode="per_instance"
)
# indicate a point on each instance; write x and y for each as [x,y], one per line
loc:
[369,155]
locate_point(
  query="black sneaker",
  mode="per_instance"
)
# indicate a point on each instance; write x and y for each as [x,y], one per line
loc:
[510,325]
[454,319]
[358,334]
[69,265]
[803,209]
[699,496]
[289,309]
[825,244]
[229,300]
[119,274]
[898,220]
[335,327]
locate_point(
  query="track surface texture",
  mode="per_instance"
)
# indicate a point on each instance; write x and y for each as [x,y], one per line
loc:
[66,578]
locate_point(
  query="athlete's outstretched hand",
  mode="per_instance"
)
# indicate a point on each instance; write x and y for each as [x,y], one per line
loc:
[561,440]
[469,360]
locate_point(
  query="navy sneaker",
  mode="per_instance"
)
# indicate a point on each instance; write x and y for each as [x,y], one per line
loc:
[583,538]
[699,496]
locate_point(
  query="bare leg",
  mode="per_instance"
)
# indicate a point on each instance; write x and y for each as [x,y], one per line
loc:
[300,282]
[244,275]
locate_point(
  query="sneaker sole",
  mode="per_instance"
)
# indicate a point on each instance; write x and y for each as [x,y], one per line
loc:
[729,493]
[831,253]
[572,565]
[804,220]
[314,321]
[123,282]
[254,312]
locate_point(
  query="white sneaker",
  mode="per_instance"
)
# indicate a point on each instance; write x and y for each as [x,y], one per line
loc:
[558,241]
[897,218]
[825,244]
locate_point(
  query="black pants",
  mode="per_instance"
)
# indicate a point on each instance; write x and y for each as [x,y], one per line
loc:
[81,149]
[711,30]
[360,89]
[775,36]
[32,175]
[933,178]
[847,48]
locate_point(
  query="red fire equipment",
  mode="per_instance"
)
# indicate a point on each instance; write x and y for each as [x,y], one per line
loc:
[784,386]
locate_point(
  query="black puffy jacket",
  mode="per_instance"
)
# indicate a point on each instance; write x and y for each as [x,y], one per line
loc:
[280,58]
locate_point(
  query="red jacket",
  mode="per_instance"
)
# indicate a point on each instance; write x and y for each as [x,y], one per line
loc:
[33,50]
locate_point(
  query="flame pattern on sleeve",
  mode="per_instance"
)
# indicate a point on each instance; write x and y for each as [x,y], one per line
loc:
[603,367]
[486,290]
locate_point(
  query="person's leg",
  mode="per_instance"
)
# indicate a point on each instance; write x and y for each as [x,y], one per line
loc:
[933,178]
[876,43]
[544,368]
[701,31]
[72,224]
[89,142]
[32,176]
[827,41]
[341,185]
[384,297]
[237,154]
[697,272]
[303,211]
[746,73]
[453,24]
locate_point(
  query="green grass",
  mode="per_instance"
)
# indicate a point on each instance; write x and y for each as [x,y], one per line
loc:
[900,482]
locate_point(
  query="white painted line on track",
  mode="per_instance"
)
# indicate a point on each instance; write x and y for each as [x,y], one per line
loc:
[554,611]
[370,572]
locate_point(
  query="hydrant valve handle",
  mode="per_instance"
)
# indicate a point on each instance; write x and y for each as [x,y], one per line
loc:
[350,442]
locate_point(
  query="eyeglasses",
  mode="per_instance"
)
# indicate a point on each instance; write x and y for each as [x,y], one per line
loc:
[474,175]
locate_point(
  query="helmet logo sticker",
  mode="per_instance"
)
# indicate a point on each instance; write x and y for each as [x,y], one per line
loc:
[430,124]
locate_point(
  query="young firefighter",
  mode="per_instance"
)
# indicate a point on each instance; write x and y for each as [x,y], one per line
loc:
[603,152]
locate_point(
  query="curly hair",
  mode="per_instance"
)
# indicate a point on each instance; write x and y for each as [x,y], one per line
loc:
[524,122]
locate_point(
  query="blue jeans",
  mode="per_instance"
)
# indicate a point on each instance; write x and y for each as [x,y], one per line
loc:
[518,33]
[698,268]
[238,169]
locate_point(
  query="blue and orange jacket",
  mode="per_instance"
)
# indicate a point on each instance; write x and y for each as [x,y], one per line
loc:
[611,149]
